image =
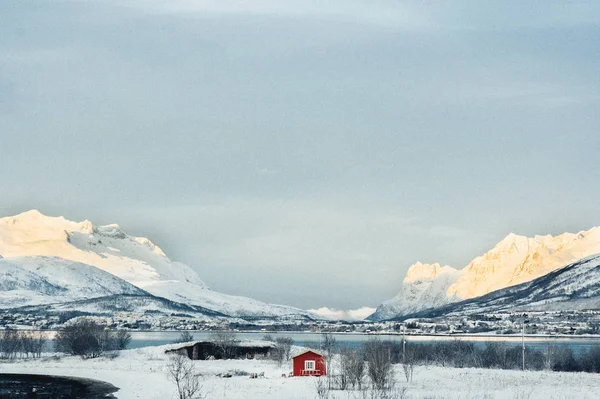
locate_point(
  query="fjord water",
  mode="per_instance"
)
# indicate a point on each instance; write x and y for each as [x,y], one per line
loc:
[155,338]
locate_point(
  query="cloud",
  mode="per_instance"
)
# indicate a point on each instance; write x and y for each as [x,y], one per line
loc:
[336,314]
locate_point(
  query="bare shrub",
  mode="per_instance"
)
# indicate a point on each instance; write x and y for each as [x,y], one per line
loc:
[285,344]
[185,336]
[122,339]
[379,365]
[328,346]
[352,369]
[565,360]
[268,337]
[283,350]
[408,364]
[322,388]
[181,371]
[226,342]
[590,361]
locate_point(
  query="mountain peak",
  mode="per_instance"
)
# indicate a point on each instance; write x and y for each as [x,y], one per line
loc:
[425,271]
[31,214]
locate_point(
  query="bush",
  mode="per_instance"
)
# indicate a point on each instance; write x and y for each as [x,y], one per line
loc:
[88,339]
[268,337]
[182,372]
[185,336]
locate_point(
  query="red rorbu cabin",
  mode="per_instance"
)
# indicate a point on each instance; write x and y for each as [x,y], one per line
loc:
[309,363]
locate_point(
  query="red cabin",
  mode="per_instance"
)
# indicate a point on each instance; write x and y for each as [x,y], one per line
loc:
[309,363]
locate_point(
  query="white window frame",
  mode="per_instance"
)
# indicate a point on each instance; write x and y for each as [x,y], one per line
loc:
[310,365]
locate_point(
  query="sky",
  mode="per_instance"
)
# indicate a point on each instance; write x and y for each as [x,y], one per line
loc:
[303,152]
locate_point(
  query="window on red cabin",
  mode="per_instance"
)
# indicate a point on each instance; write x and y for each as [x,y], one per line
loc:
[309,365]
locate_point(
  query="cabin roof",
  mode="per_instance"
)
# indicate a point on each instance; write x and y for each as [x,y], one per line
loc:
[307,351]
[239,344]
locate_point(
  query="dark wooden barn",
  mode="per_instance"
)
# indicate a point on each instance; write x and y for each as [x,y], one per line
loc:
[207,350]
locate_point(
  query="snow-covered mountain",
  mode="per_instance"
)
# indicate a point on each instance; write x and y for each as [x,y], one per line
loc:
[424,284]
[133,259]
[27,281]
[573,287]
[514,260]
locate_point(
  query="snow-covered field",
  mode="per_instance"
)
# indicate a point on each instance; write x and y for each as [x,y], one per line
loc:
[139,373]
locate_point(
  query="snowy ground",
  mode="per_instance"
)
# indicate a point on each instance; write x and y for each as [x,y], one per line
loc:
[140,374]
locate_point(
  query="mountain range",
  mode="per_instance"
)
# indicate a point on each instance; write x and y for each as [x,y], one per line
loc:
[573,287]
[514,260]
[51,260]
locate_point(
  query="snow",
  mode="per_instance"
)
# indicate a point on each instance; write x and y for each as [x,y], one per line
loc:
[514,260]
[574,287]
[42,280]
[139,373]
[137,260]
[338,314]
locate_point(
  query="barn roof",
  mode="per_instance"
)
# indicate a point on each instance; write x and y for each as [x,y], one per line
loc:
[239,344]
[307,351]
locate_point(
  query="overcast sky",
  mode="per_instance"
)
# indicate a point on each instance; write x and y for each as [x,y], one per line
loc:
[303,152]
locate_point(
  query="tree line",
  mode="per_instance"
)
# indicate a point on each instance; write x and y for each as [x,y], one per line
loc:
[84,337]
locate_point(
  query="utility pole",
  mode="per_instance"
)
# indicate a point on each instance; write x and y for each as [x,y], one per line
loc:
[523,343]
[404,344]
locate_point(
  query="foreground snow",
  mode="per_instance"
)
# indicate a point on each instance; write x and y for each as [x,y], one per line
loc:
[139,373]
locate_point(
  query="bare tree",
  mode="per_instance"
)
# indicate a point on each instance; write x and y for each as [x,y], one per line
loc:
[328,346]
[408,364]
[181,371]
[285,345]
[379,369]
[10,344]
[353,367]
[38,340]
[26,345]
[226,342]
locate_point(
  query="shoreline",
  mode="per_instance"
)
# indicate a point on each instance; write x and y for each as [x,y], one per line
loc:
[393,334]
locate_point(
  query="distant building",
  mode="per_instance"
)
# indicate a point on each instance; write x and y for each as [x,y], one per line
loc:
[309,363]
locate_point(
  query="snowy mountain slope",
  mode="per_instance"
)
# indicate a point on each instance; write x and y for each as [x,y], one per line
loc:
[125,304]
[514,260]
[423,284]
[134,259]
[573,287]
[41,280]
